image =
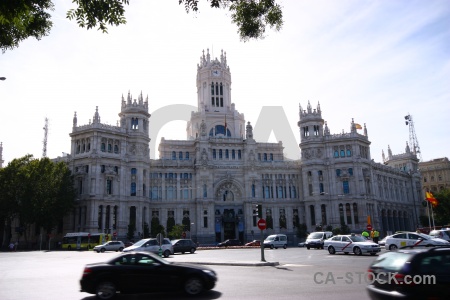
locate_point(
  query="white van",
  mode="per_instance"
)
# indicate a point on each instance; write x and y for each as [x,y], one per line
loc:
[275,241]
[315,239]
[151,245]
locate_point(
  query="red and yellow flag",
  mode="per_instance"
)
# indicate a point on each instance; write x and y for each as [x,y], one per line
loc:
[358,126]
[430,198]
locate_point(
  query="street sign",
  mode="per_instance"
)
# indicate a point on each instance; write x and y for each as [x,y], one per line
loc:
[369,227]
[159,238]
[262,224]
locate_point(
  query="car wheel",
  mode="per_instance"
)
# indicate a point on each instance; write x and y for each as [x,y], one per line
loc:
[120,249]
[284,246]
[331,250]
[372,254]
[166,253]
[193,286]
[271,247]
[105,290]
[357,251]
[192,250]
[346,253]
[182,252]
[393,247]
[103,250]
[307,247]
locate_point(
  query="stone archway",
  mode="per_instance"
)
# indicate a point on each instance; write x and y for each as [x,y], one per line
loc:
[228,192]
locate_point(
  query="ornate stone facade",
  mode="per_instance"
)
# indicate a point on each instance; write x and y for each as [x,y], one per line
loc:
[212,181]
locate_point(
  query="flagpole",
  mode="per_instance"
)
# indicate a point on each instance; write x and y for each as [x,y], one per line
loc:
[432,217]
[428,210]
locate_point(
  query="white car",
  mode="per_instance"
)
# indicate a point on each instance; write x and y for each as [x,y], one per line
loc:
[403,239]
[110,246]
[350,243]
[151,245]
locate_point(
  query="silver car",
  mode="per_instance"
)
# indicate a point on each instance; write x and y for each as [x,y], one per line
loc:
[412,239]
[152,245]
[110,246]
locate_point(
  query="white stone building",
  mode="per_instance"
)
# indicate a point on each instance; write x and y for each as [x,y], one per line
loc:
[212,181]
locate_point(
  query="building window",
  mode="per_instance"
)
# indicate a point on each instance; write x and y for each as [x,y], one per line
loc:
[116,149]
[342,153]
[220,153]
[133,189]
[180,155]
[355,213]
[253,191]
[187,156]
[336,153]
[174,155]
[103,147]
[338,172]
[350,171]
[345,187]
[109,186]
[321,188]
[271,157]
[348,213]
[265,156]
[102,168]
[305,131]
[312,213]
[205,191]
[133,171]
[109,148]
[233,154]
[227,154]
[349,152]
[239,154]
[214,153]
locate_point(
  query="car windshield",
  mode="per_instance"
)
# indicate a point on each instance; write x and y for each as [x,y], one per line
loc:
[174,242]
[270,238]
[315,235]
[357,238]
[140,243]
[392,261]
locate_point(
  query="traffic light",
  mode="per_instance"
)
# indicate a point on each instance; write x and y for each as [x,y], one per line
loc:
[259,209]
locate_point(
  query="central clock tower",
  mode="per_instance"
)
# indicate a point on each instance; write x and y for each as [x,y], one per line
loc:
[216,115]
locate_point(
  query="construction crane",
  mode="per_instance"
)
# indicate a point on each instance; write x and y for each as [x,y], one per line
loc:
[413,141]
[44,142]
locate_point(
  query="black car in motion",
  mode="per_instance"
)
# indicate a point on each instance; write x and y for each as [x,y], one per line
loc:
[142,272]
[411,273]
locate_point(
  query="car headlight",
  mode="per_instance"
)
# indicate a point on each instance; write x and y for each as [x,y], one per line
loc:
[210,273]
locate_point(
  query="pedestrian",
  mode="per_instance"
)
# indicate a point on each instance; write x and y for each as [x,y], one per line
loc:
[365,234]
[11,247]
[376,235]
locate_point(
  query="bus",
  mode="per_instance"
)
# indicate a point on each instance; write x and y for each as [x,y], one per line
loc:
[83,240]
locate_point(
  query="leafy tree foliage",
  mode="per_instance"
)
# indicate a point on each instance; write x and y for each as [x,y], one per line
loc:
[176,232]
[36,191]
[20,19]
[131,231]
[442,210]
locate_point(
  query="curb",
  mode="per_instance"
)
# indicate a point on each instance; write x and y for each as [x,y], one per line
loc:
[243,264]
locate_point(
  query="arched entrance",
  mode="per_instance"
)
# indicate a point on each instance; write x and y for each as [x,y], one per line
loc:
[229,213]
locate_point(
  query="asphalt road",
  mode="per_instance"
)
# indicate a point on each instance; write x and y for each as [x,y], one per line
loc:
[300,274]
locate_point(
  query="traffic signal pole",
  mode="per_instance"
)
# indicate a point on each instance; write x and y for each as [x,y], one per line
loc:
[259,211]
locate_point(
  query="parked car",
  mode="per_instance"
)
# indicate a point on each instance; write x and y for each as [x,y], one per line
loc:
[316,239]
[254,243]
[275,241]
[402,239]
[143,272]
[228,243]
[441,233]
[110,246]
[351,243]
[128,244]
[152,245]
[411,273]
[184,245]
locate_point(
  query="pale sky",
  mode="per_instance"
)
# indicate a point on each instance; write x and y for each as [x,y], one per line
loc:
[374,61]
